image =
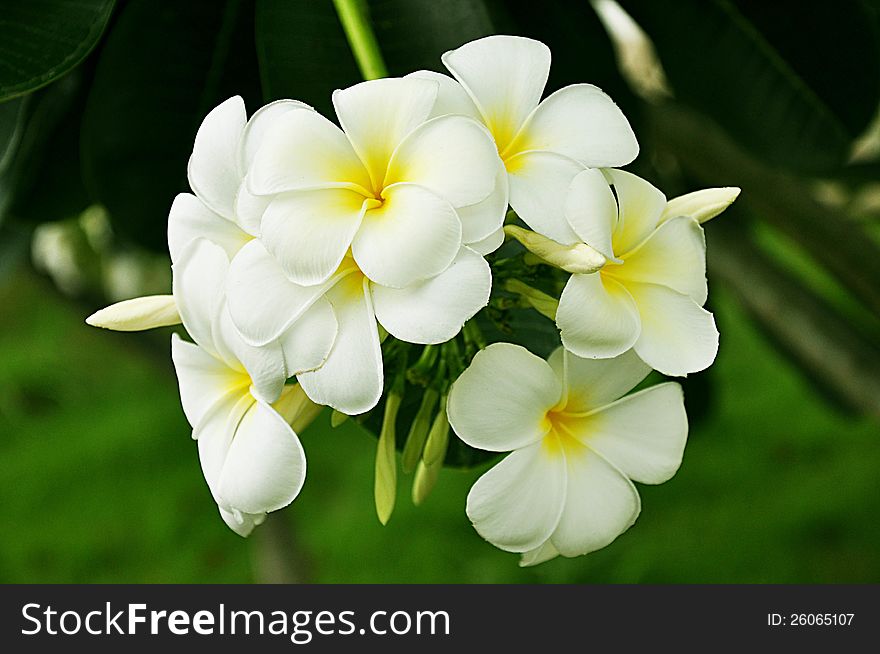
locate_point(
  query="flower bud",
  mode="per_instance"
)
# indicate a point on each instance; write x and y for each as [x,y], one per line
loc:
[701,205]
[137,314]
[578,258]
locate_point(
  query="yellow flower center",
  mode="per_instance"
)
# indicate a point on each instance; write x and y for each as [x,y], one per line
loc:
[560,436]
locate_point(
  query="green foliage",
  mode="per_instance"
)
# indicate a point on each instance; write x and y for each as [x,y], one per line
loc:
[793,82]
[161,70]
[442,26]
[582,50]
[101,480]
[302,52]
[42,40]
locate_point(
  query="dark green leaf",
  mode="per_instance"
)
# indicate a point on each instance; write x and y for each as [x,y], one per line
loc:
[164,66]
[40,178]
[45,177]
[41,40]
[303,52]
[582,50]
[11,127]
[412,34]
[794,82]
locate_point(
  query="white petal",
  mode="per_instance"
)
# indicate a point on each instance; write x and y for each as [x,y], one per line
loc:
[351,379]
[702,205]
[451,96]
[265,465]
[261,317]
[264,365]
[241,523]
[137,314]
[433,311]
[505,76]
[189,219]
[539,183]
[678,336]
[215,433]
[309,232]
[643,434]
[308,341]
[306,151]
[203,379]
[600,504]
[674,256]
[249,210]
[597,317]
[260,125]
[414,235]
[482,220]
[453,156]
[213,170]
[199,277]
[591,210]
[593,383]
[583,123]
[376,116]
[640,205]
[489,244]
[538,555]
[516,505]
[501,401]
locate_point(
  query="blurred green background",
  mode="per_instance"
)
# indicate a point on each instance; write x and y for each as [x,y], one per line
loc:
[99,479]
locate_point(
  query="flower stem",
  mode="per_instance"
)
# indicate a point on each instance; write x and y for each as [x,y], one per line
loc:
[361,38]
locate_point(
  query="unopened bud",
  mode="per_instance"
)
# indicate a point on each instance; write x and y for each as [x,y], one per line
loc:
[418,432]
[702,205]
[579,258]
[385,488]
[137,314]
[538,300]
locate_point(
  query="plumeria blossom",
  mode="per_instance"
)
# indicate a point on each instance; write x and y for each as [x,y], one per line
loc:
[576,446]
[386,187]
[543,144]
[305,243]
[368,217]
[251,458]
[222,212]
[649,294]
[351,379]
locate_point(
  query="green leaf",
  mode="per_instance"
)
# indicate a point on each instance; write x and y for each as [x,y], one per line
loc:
[12,120]
[11,128]
[162,69]
[412,34]
[582,50]
[41,40]
[303,52]
[794,82]
[40,173]
[46,174]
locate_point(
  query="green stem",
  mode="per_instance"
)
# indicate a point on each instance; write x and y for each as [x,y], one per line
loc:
[353,16]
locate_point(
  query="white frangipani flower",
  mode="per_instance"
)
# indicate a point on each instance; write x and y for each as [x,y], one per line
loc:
[222,210]
[251,458]
[351,379]
[386,187]
[575,444]
[543,144]
[649,294]
[223,213]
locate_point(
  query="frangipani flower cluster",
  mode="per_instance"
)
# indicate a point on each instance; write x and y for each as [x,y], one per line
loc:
[323,264]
